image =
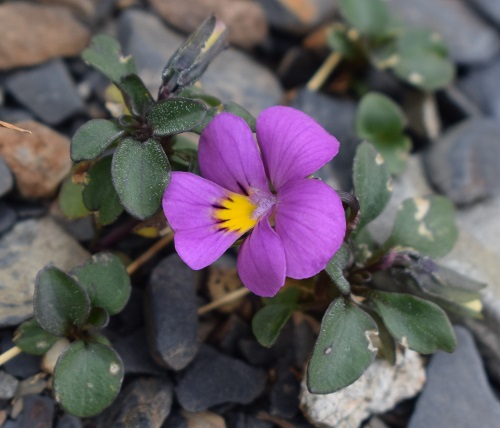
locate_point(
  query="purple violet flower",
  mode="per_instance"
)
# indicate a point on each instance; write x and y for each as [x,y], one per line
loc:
[292,224]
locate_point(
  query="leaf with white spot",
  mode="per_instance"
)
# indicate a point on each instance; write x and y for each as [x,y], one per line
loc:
[426,225]
[87,378]
[343,350]
[33,339]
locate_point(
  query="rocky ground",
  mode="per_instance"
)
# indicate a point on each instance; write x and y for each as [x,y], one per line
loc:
[208,371]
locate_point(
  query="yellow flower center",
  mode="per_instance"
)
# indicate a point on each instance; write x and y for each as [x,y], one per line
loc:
[235,213]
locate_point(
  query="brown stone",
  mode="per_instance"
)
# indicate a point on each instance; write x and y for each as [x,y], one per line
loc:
[32,34]
[245,19]
[83,8]
[39,161]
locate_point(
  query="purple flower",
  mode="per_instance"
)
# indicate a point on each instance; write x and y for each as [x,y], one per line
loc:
[292,224]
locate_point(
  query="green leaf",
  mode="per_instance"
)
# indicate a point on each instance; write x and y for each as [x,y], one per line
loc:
[395,152]
[98,318]
[372,183]
[87,378]
[364,246]
[105,280]
[343,350]
[421,39]
[99,193]
[141,173]
[135,94]
[240,111]
[268,322]
[104,54]
[335,269]
[379,118]
[175,115]
[33,339]
[426,225]
[369,17]
[416,323]
[59,301]
[70,200]
[93,138]
[338,41]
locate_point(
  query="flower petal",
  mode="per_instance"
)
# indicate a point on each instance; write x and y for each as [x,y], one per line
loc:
[311,223]
[292,144]
[261,260]
[188,205]
[229,156]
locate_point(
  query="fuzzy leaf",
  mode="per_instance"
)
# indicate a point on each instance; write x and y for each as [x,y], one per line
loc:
[141,173]
[98,318]
[87,378]
[343,350]
[369,17]
[335,269]
[93,138]
[59,301]
[33,339]
[268,322]
[135,94]
[70,200]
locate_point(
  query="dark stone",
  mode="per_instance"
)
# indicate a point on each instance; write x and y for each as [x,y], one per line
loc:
[8,386]
[337,116]
[481,87]
[457,393]
[133,349]
[171,313]
[214,378]
[242,420]
[8,217]
[69,421]
[475,42]
[132,316]
[38,412]
[489,9]
[31,209]
[144,403]
[303,342]
[6,178]
[256,354]
[175,420]
[82,229]
[47,90]
[285,392]
[24,365]
[463,164]
[456,106]
[13,115]
[233,330]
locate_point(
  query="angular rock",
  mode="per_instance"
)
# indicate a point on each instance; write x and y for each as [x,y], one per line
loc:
[476,42]
[8,386]
[380,388]
[8,217]
[463,163]
[32,385]
[68,421]
[171,313]
[246,20]
[145,402]
[39,161]
[489,9]
[37,412]
[46,90]
[298,16]
[233,76]
[6,178]
[456,382]
[338,117]
[285,392]
[204,420]
[34,34]
[480,85]
[214,378]
[26,249]
[242,420]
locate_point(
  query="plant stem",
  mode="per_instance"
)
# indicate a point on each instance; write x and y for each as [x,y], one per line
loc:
[153,250]
[228,298]
[9,354]
[324,71]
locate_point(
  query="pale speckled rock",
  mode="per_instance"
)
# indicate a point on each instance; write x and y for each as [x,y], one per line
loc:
[204,420]
[469,39]
[380,388]
[32,34]
[245,20]
[26,249]
[39,161]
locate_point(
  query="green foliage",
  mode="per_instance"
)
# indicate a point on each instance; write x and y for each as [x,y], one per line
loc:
[98,318]
[136,95]
[71,201]
[93,138]
[335,269]
[381,122]
[416,323]
[99,194]
[87,378]
[60,303]
[105,280]
[141,173]
[372,183]
[332,367]
[369,17]
[33,339]
[425,225]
